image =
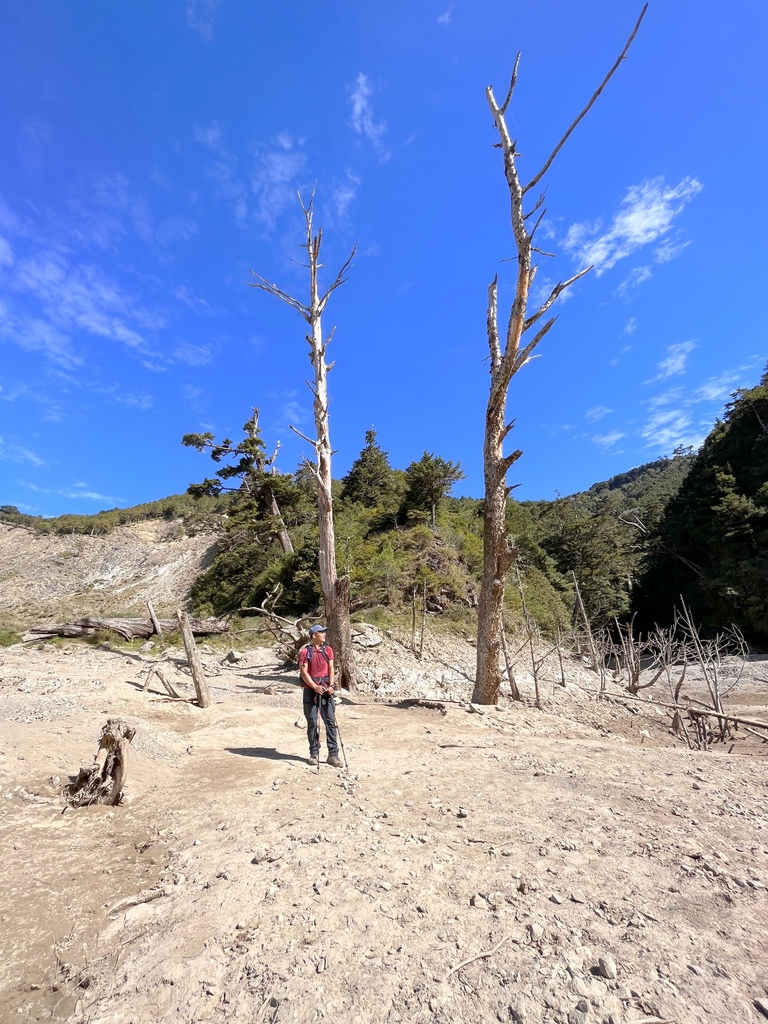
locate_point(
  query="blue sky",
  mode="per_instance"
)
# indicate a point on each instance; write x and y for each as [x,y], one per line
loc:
[150,156]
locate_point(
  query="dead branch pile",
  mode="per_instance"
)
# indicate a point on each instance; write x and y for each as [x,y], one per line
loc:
[102,782]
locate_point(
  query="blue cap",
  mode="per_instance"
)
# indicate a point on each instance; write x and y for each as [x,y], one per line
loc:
[317,629]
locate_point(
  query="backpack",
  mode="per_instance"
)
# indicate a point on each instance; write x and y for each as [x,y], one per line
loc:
[310,649]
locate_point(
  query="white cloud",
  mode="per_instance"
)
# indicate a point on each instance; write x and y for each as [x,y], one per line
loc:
[668,429]
[6,253]
[363,120]
[445,17]
[633,280]
[630,327]
[647,213]
[36,335]
[279,172]
[201,15]
[192,355]
[669,250]
[674,362]
[78,491]
[344,194]
[673,419]
[606,441]
[599,411]
[10,452]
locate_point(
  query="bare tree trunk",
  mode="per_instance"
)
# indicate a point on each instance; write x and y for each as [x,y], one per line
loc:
[423,618]
[505,361]
[155,623]
[514,689]
[193,657]
[335,590]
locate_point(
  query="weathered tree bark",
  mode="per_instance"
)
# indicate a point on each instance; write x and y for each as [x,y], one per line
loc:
[103,781]
[335,590]
[193,657]
[153,617]
[505,361]
[129,629]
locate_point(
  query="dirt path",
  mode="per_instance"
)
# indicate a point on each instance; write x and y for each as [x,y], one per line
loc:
[616,875]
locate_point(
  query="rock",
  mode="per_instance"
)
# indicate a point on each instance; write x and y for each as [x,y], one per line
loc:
[479,901]
[234,657]
[624,993]
[365,635]
[580,987]
[461,813]
[145,648]
[607,967]
[554,898]
[762,1006]
[300,723]
[577,896]
[583,1005]
[535,931]
[577,1017]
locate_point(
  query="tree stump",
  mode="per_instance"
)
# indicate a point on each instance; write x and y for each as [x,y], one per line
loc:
[103,781]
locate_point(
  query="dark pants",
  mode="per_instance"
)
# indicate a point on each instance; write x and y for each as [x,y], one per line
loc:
[322,702]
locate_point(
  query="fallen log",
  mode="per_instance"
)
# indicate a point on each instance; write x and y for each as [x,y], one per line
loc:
[130,629]
[102,782]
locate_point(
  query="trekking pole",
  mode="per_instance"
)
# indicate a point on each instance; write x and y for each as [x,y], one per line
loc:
[317,727]
[341,744]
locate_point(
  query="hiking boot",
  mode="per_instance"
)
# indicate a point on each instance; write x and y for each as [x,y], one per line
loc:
[312,759]
[335,762]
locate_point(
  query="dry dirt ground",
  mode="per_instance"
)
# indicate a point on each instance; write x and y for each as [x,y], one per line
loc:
[576,864]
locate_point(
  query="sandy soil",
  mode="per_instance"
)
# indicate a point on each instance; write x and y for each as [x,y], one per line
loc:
[579,862]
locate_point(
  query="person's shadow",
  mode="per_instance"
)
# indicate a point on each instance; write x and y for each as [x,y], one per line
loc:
[270,753]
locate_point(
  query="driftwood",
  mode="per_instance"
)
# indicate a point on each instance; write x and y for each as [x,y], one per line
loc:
[130,629]
[155,621]
[102,782]
[155,670]
[193,657]
[693,712]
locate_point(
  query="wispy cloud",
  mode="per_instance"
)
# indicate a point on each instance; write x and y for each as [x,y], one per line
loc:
[223,171]
[647,213]
[343,194]
[445,17]
[633,280]
[6,253]
[78,491]
[201,15]
[599,411]
[669,250]
[668,428]
[33,334]
[673,364]
[363,120]
[606,441]
[279,171]
[192,355]
[684,417]
[10,452]
[630,327]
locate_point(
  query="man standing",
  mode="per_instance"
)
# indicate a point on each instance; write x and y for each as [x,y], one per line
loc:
[316,670]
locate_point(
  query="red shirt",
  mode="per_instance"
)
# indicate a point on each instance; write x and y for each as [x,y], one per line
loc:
[316,661]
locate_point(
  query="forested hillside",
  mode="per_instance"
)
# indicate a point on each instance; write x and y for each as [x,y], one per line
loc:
[711,543]
[694,525]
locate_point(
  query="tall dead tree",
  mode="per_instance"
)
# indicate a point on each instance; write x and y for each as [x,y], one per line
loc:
[335,588]
[523,334]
